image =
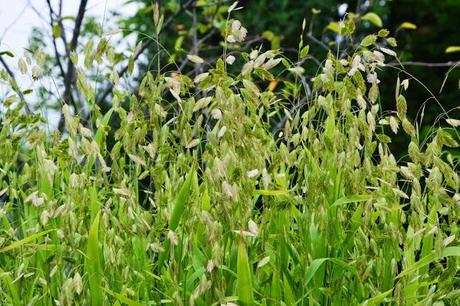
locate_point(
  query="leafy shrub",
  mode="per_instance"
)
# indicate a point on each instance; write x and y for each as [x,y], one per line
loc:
[215,190]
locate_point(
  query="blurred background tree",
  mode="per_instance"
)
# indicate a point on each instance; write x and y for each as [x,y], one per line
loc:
[167,31]
[423,30]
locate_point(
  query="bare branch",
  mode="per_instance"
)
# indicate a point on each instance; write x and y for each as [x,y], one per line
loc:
[69,76]
[56,52]
[143,47]
[7,28]
[319,42]
[358,6]
[425,64]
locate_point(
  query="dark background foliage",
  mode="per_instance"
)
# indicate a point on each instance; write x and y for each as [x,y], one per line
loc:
[280,21]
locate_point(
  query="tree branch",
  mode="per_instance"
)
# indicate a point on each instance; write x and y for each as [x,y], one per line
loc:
[69,76]
[143,47]
[425,64]
[56,52]
[15,84]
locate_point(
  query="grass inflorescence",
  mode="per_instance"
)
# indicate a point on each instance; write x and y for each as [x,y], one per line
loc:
[236,209]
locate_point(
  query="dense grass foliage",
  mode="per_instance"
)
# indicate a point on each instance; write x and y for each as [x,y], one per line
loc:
[215,190]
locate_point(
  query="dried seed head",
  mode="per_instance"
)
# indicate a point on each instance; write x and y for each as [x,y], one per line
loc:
[252,173]
[253,228]
[172,236]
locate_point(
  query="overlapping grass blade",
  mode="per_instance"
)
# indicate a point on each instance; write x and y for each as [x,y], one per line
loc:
[245,290]
[122,298]
[24,241]
[92,264]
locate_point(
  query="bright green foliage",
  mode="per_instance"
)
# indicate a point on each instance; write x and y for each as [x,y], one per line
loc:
[313,211]
[92,265]
[245,294]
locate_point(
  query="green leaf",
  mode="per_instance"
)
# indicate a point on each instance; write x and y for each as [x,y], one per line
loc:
[452,49]
[270,192]
[334,27]
[451,251]
[313,267]
[56,31]
[100,130]
[131,64]
[419,264]
[181,200]
[122,298]
[447,252]
[373,18]
[177,213]
[268,35]
[383,33]
[304,51]
[315,11]
[408,26]
[352,199]
[383,138]
[92,264]
[205,202]
[6,278]
[316,264]
[21,242]
[368,40]
[7,53]
[196,275]
[64,18]
[378,299]
[245,291]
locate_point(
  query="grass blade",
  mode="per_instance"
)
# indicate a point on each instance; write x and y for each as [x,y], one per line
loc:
[181,200]
[100,130]
[245,291]
[314,266]
[378,299]
[447,252]
[21,242]
[6,278]
[270,192]
[352,199]
[177,213]
[93,263]
[122,298]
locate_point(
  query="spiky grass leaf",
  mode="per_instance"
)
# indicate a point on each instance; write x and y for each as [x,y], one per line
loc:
[352,199]
[122,298]
[6,278]
[100,131]
[181,201]
[378,299]
[447,252]
[313,267]
[245,290]
[26,240]
[92,264]
[178,212]
[270,192]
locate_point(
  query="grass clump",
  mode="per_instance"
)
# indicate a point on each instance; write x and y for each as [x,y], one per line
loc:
[213,190]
